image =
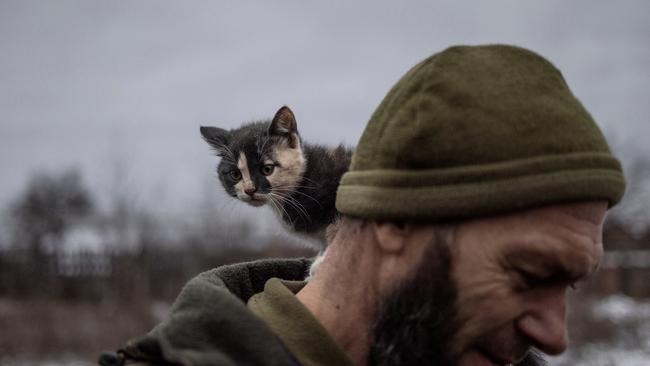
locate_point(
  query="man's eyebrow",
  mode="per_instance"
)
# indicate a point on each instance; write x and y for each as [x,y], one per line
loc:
[546,266]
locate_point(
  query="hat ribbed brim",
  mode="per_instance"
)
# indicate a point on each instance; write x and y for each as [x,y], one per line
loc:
[484,189]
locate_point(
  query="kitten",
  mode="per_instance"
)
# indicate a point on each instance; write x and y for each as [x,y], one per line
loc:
[267,162]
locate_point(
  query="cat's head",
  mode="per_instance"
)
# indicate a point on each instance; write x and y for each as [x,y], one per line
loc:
[260,161]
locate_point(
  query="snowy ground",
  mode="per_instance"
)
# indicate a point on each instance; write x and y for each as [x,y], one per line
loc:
[601,355]
[627,323]
[63,361]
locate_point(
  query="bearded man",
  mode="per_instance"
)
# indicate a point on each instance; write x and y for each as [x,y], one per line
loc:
[475,199]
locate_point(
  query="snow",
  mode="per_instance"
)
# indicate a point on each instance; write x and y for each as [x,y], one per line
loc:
[630,346]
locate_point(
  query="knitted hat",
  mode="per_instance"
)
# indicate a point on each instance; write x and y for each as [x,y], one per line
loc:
[475,131]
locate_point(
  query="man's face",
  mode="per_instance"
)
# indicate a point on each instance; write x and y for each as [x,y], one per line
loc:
[493,293]
[512,273]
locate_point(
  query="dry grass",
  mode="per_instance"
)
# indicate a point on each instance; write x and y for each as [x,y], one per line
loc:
[48,329]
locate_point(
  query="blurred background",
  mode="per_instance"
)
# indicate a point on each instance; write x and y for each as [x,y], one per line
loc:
[109,199]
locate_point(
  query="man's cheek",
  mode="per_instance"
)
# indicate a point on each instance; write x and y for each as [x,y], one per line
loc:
[485,303]
[482,287]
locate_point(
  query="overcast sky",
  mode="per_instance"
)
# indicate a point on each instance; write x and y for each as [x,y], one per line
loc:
[119,88]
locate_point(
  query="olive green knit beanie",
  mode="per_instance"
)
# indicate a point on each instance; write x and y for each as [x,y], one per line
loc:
[475,131]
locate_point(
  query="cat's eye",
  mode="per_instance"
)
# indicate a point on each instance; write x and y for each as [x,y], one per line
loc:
[235,174]
[268,169]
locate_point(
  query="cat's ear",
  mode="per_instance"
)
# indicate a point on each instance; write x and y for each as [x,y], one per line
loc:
[216,137]
[284,124]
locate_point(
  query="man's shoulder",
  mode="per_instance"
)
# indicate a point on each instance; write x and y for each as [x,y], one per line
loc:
[209,323]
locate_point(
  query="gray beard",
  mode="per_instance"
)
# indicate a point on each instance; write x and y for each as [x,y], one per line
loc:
[417,321]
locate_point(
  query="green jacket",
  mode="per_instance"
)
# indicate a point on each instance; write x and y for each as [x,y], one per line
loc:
[211,324]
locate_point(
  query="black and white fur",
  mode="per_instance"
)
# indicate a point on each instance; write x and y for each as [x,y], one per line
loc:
[267,162]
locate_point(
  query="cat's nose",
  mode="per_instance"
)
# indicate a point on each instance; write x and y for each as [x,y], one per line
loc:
[250,191]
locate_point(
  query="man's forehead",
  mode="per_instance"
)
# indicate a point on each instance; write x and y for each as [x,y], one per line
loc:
[567,219]
[565,239]
[590,211]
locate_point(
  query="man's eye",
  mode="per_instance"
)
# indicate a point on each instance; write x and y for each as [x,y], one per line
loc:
[268,169]
[235,174]
[529,280]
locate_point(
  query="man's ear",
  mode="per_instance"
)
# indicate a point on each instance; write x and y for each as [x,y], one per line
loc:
[284,125]
[391,236]
[216,137]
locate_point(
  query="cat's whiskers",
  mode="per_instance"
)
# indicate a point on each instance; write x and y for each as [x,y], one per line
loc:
[286,199]
[273,203]
[291,190]
[294,203]
[279,206]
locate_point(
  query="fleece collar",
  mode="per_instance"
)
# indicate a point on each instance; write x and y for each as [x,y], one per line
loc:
[292,322]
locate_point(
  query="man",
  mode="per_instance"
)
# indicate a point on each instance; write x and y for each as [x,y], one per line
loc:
[475,199]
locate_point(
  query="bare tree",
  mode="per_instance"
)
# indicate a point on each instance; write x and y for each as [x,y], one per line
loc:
[48,207]
[42,215]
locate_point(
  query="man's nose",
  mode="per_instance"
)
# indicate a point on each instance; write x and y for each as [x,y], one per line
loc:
[545,322]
